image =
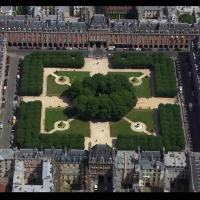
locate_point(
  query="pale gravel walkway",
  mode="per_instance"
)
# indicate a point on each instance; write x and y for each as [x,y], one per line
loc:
[153,102]
[99,134]
[57,129]
[145,128]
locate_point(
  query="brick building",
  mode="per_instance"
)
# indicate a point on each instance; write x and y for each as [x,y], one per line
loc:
[124,33]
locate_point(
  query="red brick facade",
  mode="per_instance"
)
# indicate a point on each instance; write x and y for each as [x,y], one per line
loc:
[72,39]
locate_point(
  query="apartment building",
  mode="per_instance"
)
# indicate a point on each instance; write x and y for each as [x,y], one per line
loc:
[176,168]
[33,175]
[126,171]
[151,169]
[6,10]
[6,162]
[70,171]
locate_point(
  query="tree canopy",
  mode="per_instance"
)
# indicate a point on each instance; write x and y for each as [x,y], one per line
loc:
[100,97]
[187,18]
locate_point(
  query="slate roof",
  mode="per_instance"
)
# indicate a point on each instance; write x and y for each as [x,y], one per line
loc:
[72,156]
[6,154]
[98,21]
[102,153]
[151,159]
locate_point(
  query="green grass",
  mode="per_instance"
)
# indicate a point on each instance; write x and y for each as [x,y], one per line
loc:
[73,75]
[53,115]
[54,89]
[76,126]
[143,115]
[128,74]
[122,127]
[144,90]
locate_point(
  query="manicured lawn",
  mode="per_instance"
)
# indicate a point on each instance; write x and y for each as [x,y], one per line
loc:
[54,89]
[76,126]
[144,115]
[53,115]
[144,90]
[128,74]
[122,127]
[73,75]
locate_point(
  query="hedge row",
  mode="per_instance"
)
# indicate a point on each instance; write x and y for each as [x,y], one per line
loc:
[171,135]
[32,68]
[161,64]
[127,142]
[31,78]
[171,127]
[73,59]
[165,80]
[28,130]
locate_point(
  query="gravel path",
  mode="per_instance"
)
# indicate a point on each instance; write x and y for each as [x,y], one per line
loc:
[153,102]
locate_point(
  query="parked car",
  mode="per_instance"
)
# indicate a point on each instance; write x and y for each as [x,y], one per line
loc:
[5,82]
[1,124]
[181,89]
[6,70]
[8,59]
[190,106]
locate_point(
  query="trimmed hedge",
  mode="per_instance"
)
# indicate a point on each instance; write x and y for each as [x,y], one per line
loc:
[171,134]
[161,64]
[73,59]
[146,142]
[32,68]
[31,78]
[28,130]
[171,127]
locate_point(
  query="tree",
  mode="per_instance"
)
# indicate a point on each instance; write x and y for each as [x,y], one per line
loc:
[101,97]
[187,18]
